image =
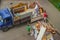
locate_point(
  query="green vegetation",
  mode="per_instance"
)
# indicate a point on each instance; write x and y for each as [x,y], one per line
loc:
[56,3]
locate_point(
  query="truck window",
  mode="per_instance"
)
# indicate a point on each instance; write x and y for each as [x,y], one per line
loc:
[1,20]
[7,20]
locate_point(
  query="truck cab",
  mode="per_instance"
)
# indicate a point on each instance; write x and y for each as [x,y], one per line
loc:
[5,19]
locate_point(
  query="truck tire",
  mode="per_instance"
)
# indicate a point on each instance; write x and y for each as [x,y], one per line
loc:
[5,29]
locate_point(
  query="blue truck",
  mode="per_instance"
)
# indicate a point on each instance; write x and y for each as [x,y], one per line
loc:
[5,19]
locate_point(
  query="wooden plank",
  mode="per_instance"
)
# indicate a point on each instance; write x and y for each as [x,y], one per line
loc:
[36,18]
[41,33]
[16,18]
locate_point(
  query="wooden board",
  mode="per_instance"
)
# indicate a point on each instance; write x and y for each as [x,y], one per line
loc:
[41,33]
[16,18]
[36,18]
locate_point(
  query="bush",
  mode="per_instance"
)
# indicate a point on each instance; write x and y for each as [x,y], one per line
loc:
[56,3]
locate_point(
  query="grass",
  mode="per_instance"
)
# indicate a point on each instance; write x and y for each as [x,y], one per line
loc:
[56,3]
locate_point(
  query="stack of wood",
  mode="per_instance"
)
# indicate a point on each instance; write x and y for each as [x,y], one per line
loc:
[46,29]
[16,18]
[21,7]
[50,29]
[32,5]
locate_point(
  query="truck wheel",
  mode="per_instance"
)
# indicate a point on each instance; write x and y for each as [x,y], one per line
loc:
[5,29]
